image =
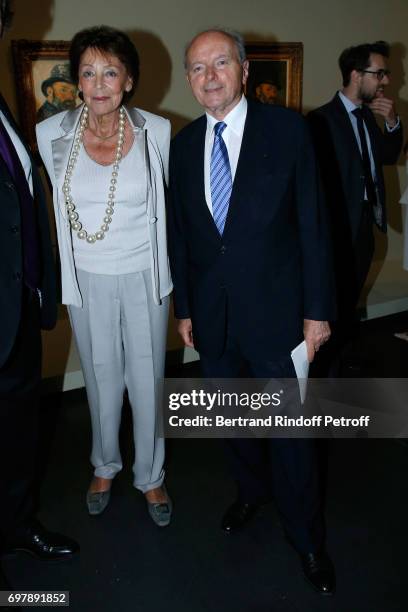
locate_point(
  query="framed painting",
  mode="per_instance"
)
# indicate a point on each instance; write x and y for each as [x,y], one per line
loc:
[275,73]
[43,82]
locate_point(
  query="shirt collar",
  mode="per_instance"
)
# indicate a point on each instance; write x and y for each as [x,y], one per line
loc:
[349,105]
[235,119]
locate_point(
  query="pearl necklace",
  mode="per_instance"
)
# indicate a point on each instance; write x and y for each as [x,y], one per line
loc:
[73,216]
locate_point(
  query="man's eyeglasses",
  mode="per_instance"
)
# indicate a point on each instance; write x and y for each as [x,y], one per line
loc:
[380,74]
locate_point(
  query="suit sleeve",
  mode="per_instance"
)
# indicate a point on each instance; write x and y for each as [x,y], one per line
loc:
[48,281]
[391,145]
[317,262]
[177,241]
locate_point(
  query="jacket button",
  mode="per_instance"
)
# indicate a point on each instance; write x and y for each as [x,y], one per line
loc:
[223,249]
[153,220]
[17,276]
[10,185]
[14,229]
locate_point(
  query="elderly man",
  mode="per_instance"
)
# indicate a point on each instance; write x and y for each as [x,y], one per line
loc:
[251,271]
[60,92]
[351,150]
[27,303]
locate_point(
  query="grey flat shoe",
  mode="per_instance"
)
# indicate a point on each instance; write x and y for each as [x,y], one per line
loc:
[161,512]
[97,501]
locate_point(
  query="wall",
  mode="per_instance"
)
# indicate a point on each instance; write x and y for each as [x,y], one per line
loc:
[160,30]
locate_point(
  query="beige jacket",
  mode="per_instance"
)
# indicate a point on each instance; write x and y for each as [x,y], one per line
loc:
[55,138]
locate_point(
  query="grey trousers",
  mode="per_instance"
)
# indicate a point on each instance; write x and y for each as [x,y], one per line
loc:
[120,334]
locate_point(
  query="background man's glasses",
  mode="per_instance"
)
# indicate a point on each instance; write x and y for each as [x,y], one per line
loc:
[380,74]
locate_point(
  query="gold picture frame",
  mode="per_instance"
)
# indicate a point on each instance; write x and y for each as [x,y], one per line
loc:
[275,73]
[43,83]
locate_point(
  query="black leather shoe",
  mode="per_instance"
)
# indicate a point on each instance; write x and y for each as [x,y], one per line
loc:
[319,572]
[43,544]
[237,516]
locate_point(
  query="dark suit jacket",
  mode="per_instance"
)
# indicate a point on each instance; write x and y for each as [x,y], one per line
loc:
[340,160]
[271,268]
[343,178]
[11,249]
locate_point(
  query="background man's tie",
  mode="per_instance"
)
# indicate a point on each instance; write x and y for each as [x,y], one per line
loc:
[369,183]
[368,177]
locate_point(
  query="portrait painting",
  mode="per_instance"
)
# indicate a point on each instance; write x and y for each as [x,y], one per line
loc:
[43,82]
[275,73]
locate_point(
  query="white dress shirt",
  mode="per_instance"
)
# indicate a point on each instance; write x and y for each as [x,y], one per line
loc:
[232,136]
[21,151]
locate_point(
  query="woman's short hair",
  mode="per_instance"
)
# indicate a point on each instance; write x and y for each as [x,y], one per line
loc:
[106,40]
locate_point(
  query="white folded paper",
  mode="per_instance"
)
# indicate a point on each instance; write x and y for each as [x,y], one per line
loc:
[301,365]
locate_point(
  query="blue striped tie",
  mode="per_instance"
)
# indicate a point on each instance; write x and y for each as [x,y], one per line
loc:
[220,178]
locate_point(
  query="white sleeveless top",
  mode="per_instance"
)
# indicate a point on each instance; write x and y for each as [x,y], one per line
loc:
[126,246]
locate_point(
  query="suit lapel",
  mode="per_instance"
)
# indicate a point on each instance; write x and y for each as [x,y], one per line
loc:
[37,186]
[4,171]
[61,146]
[372,128]
[6,111]
[255,149]
[346,132]
[196,174]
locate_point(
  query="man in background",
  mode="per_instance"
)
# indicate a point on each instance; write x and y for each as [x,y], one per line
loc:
[27,304]
[60,92]
[351,150]
[267,92]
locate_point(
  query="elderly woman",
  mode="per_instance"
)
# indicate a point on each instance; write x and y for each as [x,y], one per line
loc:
[108,167]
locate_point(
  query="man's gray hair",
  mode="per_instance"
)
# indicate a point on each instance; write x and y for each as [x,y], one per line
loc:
[236,38]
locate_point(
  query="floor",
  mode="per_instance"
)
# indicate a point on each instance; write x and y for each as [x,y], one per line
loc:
[128,564]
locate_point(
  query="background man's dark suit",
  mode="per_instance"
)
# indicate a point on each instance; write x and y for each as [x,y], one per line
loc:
[20,348]
[342,174]
[253,286]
